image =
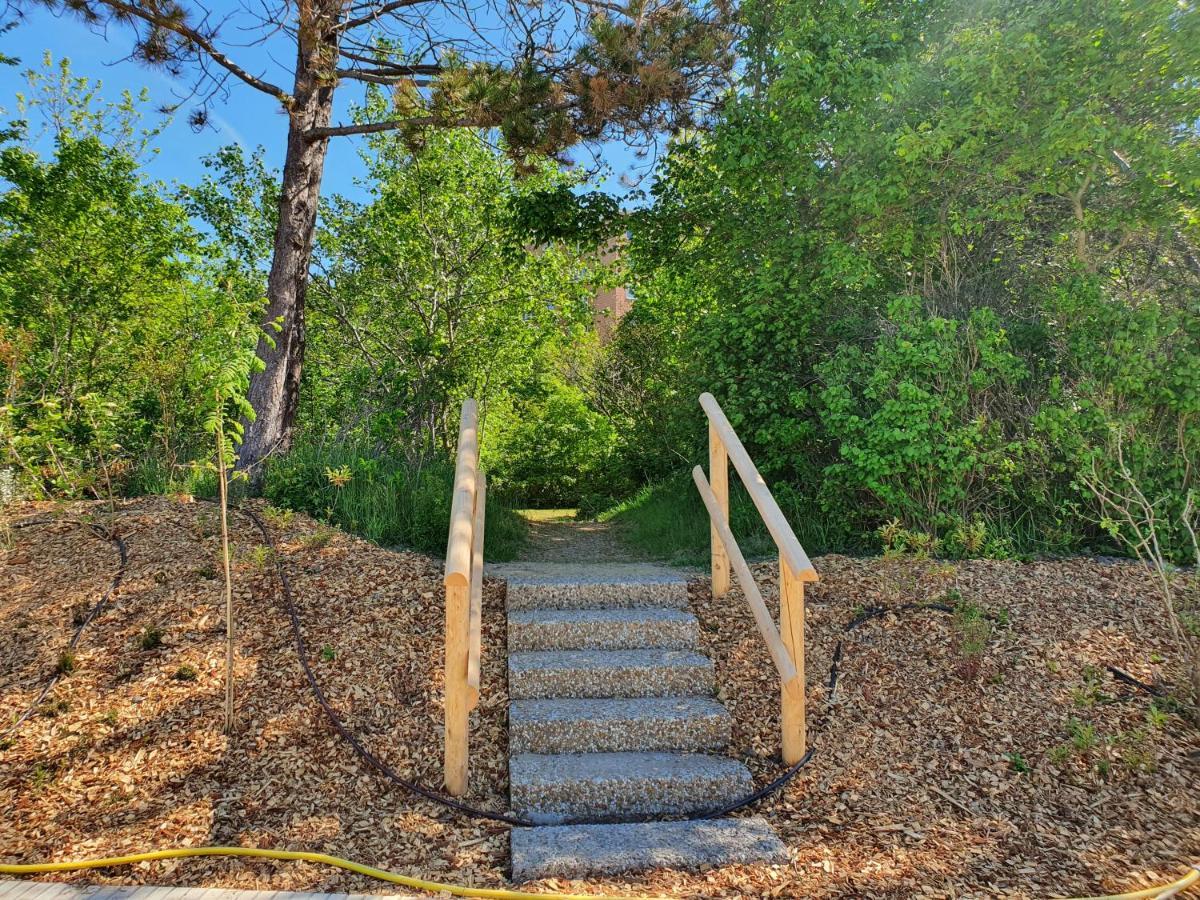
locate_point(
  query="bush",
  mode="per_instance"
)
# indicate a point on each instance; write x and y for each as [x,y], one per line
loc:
[549,449]
[922,423]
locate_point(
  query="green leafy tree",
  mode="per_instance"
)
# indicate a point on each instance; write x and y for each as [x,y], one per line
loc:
[425,295]
[96,296]
[1034,159]
[545,76]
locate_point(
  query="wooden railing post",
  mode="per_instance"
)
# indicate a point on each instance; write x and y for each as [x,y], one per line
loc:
[458,603]
[718,479]
[475,619]
[791,629]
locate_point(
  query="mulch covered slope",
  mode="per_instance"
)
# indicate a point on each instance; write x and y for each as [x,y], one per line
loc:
[1022,769]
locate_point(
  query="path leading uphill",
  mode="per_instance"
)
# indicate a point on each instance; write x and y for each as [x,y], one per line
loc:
[556,536]
[613,721]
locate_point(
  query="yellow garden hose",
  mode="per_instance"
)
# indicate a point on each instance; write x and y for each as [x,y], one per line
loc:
[458,890]
[1162,891]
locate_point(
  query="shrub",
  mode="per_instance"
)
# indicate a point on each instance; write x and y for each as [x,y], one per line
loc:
[917,419]
[384,498]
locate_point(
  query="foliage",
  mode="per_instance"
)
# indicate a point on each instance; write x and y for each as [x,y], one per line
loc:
[425,296]
[544,445]
[930,259]
[387,498]
[106,316]
[920,420]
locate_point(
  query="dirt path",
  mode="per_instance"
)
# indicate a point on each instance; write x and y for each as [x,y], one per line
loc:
[555,535]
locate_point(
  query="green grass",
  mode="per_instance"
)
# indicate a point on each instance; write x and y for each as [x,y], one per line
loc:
[384,498]
[152,476]
[668,521]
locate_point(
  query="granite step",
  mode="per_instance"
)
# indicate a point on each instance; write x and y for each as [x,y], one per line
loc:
[602,629]
[684,724]
[557,789]
[608,673]
[578,851]
[591,585]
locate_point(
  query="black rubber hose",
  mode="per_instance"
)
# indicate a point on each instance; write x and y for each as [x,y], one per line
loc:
[766,790]
[339,726]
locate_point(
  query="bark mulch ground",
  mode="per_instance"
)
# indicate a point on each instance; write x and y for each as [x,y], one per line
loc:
[962,755]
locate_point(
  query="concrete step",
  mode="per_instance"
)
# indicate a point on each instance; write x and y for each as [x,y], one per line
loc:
[579,851]
[622,787]
[591,585]
[685,724]
[608,673]
[602,629]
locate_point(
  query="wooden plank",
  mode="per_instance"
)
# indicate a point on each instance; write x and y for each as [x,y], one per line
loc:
[718,475]
[475,621]
[791,628]
[762,617]
[756,487]
[29,890]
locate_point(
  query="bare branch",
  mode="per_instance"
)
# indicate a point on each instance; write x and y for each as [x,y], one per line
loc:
[201,41]
[377,13]
[328,131]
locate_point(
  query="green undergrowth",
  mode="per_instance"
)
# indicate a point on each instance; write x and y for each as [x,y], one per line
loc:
[384,498]
[667,521]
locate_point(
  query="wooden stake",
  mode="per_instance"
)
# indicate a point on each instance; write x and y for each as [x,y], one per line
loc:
[791,629]
[718,479]
[229,637]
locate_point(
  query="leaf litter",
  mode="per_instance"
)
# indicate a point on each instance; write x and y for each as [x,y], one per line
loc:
[954,760]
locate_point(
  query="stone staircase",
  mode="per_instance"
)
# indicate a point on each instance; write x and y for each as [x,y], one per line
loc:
[612,722]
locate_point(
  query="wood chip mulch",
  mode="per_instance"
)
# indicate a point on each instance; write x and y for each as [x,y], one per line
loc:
[1022,769]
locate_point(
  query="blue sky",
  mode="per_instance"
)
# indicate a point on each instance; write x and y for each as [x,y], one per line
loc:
[245,117]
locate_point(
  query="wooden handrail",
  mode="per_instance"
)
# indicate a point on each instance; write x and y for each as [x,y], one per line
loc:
[475,621]
[758,607]
[781,532]
[464,592]
[795,569]
[462,505]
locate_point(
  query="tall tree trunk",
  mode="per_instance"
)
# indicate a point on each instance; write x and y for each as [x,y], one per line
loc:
[275,391]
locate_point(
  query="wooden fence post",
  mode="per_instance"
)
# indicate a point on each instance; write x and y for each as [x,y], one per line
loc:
[791,629]
[718,479]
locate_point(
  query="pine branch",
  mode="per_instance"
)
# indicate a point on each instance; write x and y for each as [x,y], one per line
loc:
[201,41]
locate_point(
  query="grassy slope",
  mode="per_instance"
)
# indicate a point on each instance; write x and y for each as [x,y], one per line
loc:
[667,521]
